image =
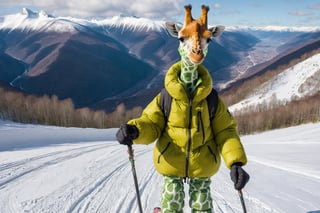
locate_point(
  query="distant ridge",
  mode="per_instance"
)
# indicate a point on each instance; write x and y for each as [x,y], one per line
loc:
[275,28]
[138,23]
[281,59]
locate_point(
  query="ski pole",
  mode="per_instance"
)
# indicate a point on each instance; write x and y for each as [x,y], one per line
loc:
[242,201]
[133,168]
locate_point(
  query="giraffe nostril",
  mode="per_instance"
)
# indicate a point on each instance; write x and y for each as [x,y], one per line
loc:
[197,51]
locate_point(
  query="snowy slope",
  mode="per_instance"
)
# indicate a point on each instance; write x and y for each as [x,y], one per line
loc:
[298,81]
[52,169]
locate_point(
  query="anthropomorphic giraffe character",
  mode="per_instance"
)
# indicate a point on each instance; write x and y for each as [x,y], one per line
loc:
[189,141]
[194,37]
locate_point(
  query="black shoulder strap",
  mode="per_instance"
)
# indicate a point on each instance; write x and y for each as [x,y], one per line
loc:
[165,103]
[212,100]
[166,99]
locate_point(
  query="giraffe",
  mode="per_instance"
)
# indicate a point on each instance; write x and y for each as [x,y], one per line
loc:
[187,149]
[194,37]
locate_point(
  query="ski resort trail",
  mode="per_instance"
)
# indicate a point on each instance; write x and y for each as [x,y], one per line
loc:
[88,177]
[84,176]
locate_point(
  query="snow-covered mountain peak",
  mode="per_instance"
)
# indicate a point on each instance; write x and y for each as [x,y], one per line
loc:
[32,14]
[44,14]
[28,20]
[132,23]
[27,12]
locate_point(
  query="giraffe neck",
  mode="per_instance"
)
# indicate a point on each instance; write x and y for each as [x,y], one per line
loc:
[189,72]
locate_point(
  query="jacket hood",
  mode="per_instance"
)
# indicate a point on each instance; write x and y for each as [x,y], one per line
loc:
[176,89]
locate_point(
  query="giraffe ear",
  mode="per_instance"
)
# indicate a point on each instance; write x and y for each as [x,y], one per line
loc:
[216,31]
[172,28]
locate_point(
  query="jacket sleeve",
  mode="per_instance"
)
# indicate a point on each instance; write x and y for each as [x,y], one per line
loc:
[150,123]
[226,136]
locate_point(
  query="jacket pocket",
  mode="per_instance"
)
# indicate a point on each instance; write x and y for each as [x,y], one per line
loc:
[200,126]
[214,155]
[163,151]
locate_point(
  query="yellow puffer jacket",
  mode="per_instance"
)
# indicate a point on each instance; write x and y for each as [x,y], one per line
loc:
[188,146]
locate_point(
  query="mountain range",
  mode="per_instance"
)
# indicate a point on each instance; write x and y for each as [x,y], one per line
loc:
[101,63]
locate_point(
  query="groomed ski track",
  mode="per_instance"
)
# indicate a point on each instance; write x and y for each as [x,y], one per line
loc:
[89,177]
[96,177]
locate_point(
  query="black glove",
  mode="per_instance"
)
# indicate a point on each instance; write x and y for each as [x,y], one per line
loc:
[239,176]
[127,133]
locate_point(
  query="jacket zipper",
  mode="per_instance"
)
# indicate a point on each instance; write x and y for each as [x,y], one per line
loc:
[189,140]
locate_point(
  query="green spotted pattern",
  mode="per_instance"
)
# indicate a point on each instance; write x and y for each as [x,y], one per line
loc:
[189,73]
[173,195]
[200,195]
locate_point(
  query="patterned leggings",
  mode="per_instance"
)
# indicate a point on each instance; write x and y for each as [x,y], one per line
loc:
[173,195]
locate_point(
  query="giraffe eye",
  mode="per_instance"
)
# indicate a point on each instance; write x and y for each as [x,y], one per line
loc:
[181,39]
[209,40]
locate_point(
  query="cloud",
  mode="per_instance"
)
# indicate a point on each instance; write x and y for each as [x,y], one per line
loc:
[217,6]
[315,6]
[298,13]
[308,17]
[102,8]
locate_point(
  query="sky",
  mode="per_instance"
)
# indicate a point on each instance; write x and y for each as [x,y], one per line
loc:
[224,12]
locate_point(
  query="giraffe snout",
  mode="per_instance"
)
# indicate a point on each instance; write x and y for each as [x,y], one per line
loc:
[196,56]
[197,51]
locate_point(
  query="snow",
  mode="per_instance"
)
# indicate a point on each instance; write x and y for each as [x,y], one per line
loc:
[131,23]
[36,22]
[33,20]
[29,20]
[55,169]
[294,82]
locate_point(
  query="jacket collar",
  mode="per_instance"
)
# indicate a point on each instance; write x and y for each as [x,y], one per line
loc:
[176,89]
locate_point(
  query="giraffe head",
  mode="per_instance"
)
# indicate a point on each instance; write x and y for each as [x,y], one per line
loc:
[194,35]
